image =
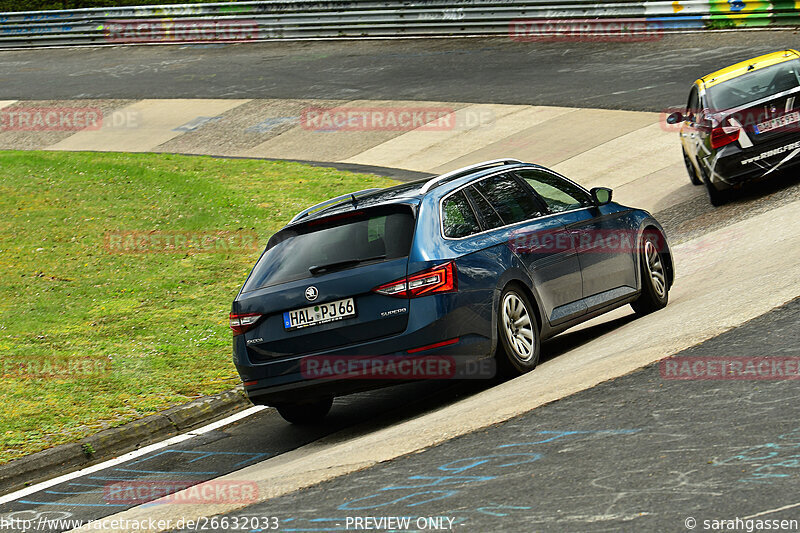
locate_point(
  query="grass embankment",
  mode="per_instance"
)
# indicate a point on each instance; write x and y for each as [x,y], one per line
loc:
[92,338]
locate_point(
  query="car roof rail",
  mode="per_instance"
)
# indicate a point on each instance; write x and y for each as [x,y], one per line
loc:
[430,184]
[329,203]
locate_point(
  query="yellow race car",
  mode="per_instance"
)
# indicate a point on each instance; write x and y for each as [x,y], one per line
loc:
[741,123]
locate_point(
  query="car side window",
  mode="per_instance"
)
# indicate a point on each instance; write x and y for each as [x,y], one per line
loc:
[559,194]
[458,219]
[509,198]
[488,215]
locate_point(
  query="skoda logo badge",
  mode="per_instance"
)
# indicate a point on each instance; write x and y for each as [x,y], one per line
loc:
[311,293]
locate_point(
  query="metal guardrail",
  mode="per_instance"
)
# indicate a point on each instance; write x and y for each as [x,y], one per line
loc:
[290,19]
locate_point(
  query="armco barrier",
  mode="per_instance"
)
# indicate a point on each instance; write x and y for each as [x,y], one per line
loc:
[288,19]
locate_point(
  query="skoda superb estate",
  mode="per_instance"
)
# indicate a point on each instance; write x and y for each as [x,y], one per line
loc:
[476,265]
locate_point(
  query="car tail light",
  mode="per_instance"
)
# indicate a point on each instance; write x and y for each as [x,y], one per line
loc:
[434,280]
[722,135]
[241,323]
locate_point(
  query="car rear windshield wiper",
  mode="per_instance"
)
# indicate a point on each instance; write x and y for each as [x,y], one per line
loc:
[316,269]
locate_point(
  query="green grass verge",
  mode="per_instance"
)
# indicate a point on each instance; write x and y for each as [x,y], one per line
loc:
[154,323]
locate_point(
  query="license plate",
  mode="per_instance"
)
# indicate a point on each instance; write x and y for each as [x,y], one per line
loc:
[319,314]
[778,122]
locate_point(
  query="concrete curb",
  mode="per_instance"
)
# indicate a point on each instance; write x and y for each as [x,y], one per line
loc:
[399,174]
[113,442]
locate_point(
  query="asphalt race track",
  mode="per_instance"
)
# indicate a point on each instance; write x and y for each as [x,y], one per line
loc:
[636,453]
[644,76]
[595,439]
[240,444]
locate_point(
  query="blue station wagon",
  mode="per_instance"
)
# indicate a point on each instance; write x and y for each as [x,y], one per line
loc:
[478,264]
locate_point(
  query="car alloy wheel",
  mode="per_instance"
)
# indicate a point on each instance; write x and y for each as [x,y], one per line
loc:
[518,327]
[655,268]
[654,293]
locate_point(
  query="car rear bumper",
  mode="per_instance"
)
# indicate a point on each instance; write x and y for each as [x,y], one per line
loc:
[450,342]
[735,167]
[300,386]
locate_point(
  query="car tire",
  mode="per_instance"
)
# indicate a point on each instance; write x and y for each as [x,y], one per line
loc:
[693,177]
[305,413]
[654,293]
[715,196]
[518,332]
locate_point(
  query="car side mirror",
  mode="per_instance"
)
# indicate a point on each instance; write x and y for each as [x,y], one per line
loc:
[601,195]
[675,118]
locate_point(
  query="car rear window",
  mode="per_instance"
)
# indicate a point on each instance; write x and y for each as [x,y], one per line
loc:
[373,235]
[755,85]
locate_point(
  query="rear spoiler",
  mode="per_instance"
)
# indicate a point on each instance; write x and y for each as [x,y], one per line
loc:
[351,197]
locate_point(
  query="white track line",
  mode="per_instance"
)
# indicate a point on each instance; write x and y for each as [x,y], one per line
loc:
[762,513]
[131,455]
